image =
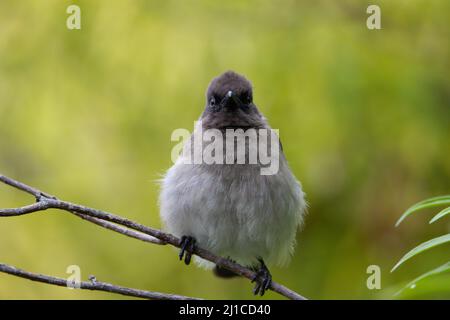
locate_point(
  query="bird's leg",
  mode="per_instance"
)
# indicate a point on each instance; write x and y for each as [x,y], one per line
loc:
[187,244]
[263,279]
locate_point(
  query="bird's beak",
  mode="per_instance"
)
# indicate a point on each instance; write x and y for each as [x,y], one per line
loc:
[230,100]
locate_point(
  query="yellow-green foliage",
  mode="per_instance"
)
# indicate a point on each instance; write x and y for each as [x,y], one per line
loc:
[87,115]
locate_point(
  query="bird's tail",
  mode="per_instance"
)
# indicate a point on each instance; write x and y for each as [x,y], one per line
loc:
[224,273]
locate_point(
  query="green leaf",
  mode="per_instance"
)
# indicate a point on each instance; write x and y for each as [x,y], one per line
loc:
[444,268]
[428,203]
[423,247]
[440,215]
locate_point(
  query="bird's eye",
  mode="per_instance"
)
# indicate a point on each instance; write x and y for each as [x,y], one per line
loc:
[247,98]
[212,101]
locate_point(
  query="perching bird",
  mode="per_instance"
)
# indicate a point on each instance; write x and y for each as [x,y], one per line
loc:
[231,209]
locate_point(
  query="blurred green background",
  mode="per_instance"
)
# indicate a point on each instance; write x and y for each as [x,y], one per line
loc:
[87,115]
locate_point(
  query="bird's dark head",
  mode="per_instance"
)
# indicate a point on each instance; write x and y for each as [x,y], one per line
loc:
[229,103]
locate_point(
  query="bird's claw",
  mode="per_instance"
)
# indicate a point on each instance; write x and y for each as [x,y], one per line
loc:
[263,279]
[187,245]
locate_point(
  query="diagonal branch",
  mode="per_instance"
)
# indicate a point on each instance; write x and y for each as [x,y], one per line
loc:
[127,227]
[92,285]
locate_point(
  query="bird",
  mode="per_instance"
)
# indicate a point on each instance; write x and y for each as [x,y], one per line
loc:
[230,208]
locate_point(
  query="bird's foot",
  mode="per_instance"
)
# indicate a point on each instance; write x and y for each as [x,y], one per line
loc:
[263,279]
[187,244]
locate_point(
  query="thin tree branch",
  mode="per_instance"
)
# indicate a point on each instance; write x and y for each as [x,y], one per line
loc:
[92,285]
[44,205]
[116,223]
[117,228]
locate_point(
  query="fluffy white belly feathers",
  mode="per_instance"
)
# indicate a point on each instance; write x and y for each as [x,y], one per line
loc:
[233,210]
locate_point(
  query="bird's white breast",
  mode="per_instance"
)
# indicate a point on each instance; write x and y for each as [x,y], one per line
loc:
[233,210]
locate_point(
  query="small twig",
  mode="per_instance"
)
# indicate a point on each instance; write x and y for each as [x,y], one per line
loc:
[114,227]
[117,223]
[94,285]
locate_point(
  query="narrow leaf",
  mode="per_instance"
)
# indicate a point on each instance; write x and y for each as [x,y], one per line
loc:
[429,203]
[444,268]
[423,247]
[440,215]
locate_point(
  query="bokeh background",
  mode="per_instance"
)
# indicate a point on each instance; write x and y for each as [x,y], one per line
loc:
[87,115]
